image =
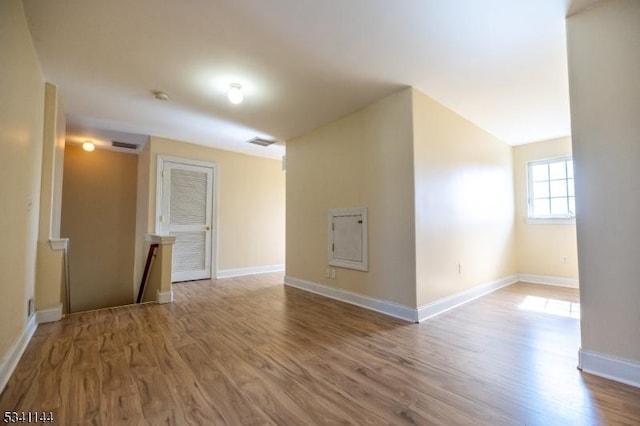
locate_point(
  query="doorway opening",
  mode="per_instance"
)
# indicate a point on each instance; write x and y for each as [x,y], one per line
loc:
[98,215]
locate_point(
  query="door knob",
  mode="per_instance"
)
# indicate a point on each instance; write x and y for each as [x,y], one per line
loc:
[207,228]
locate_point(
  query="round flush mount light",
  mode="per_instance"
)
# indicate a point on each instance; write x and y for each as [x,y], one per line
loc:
[160,95]
[235,94]
[88,146]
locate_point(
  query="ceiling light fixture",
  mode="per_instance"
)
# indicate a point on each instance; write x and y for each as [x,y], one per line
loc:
[160,95]
[235,94]
[88,146]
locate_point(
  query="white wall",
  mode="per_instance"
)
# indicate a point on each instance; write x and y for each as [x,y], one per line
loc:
[542,247]
[250,202]
[463,203]
[50,289]
[21,127]
[439,192]
[361,160]
[604,79]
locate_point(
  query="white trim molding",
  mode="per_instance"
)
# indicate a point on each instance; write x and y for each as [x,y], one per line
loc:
[160,239]
[10,361]
[382,306]
[553,221]
[163,297]
[58,244]
[609,367]
[440,306]
[49,315]
[228,273]
[401,311]
[547,280]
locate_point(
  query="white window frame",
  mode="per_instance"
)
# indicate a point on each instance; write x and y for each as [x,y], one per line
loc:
[549,219]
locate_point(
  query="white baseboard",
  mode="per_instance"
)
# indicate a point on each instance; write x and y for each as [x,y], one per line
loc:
[164,297]
[228,273]
[11,359]
[400,311]
[609,367]
[547,280]
[49,315]
[446,303]
[382,306]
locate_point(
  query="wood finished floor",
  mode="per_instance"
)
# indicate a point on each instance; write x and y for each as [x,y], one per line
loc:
[251,351]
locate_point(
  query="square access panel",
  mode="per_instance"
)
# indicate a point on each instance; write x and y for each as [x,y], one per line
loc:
[348,238]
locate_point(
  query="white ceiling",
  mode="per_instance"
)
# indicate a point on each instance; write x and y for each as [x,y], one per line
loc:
[302,63]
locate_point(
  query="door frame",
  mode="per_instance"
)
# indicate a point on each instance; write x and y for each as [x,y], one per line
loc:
[214,199]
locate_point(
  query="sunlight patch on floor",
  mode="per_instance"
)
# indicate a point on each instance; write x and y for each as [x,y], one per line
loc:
[563,308]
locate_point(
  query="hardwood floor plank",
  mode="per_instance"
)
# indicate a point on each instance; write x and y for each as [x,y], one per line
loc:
[234,406]
[58,359]
[250,351]
[118,393]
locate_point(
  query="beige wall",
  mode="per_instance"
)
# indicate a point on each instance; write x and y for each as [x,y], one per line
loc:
[463,203]
[362,160]
[542,247]
[21,123]
[250,203]
[439,192]
[99,217]
[604,59]
[49,270]
[142,216]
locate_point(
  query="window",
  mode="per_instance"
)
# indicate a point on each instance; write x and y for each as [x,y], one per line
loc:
[551,193]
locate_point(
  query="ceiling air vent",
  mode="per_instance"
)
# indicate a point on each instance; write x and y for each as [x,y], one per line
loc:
[260,141]
[124,145]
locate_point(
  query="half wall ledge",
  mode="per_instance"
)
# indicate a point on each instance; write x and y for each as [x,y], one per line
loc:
[159,282]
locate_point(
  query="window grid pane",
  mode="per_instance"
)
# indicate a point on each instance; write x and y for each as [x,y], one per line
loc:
[541,207]
[558,188]
[558,170]
[541,189]
[540,172]
[559,206]
[570,189]
[551,190]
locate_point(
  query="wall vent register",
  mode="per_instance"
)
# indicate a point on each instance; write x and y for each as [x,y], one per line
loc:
[125,145]
[261,141]
[348,238]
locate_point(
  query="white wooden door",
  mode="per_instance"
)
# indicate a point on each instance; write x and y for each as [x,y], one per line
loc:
[187,214]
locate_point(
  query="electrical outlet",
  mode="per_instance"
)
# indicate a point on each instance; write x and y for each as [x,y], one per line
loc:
[459,268]
[565,260]
[333,273]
